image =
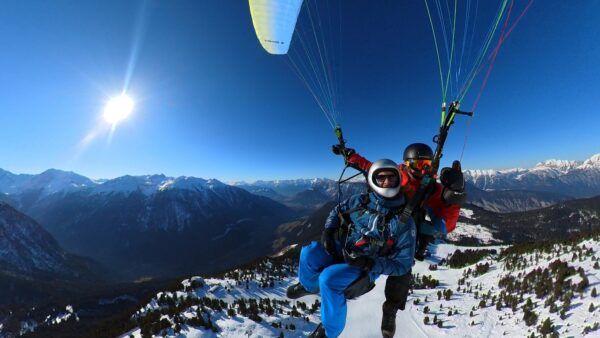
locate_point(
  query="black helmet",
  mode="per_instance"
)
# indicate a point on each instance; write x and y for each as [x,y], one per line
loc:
[418,151]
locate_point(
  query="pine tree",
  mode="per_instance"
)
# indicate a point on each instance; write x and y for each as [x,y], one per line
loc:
[547,327]
[426,320]
[592,308]
[563,314]
[594,292]
[530,317]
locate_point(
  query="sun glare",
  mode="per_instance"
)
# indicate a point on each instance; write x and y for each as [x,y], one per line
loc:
[118,108]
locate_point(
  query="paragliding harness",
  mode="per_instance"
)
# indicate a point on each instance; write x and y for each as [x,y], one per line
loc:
[363,284]
[429,179]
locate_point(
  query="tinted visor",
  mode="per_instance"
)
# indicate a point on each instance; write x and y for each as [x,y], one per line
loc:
[386,178]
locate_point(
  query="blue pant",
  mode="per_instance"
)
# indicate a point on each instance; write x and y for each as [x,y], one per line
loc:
[318,272]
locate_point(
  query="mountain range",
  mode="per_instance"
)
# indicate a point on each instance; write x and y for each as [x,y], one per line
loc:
[141,226]
[510,190]
[571,178]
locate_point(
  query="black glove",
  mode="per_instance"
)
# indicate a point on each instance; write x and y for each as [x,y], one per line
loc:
[338,149]
[328,241]
[453,182]
[362,262]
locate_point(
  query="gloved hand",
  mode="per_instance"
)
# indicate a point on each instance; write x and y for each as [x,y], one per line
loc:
[362,262]
[328,241]
[453,182]
[452,178]
[339,150]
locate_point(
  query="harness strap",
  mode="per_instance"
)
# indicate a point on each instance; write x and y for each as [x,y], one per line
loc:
[417,200]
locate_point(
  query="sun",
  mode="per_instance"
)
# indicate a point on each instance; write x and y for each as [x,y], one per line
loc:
[118,108]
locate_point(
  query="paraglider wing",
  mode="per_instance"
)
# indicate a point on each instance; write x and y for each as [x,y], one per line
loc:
[274,22]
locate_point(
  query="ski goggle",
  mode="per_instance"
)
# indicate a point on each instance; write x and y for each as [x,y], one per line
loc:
[418,164]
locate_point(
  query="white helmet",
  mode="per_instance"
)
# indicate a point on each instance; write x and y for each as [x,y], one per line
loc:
[381,166]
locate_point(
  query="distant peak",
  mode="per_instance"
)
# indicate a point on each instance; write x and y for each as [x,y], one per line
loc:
[593,162]
[558,164]
[53,171]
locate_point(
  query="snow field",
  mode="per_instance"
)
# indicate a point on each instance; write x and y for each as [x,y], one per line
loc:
[364,314]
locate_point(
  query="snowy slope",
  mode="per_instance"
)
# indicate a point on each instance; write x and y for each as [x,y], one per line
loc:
[472,313]
[472,231]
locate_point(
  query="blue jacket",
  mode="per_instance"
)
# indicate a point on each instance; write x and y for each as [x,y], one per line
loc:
[374,225]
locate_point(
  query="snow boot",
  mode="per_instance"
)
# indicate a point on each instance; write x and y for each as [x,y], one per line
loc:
[420,255]
[296,290]
[422,243]
[319,332]
[388,321]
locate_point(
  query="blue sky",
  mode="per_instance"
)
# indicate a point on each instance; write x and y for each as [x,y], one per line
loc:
[210,102]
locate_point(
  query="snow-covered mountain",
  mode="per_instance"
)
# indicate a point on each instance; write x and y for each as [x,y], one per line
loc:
[28,189]
[572,178]
[127,222]
[459,291]
[33,187]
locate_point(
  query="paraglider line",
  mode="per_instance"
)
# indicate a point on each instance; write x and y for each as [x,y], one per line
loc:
[503,37]
[451,50]
[437,51]
[481,57]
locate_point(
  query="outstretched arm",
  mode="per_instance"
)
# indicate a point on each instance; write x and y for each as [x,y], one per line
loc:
[359,163]
[351,158]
